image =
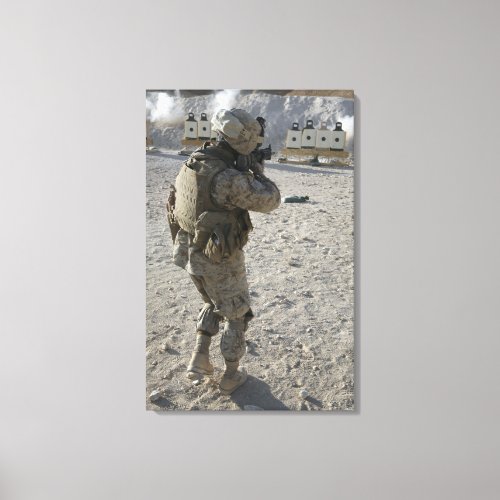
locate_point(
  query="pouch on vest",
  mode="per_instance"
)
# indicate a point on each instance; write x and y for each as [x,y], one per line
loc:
[245,225]
[172,222]
[217,235]
[216,249]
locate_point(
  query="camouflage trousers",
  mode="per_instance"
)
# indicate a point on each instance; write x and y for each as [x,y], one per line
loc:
[226,299]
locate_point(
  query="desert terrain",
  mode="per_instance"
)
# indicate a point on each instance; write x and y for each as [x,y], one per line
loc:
[301,275]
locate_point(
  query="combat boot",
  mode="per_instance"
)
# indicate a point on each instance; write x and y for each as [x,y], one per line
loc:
[232,378]
[200,363]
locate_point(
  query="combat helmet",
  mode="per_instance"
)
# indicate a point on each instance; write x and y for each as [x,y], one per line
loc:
[238,128]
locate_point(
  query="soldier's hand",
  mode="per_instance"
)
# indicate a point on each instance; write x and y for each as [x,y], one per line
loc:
[258,168]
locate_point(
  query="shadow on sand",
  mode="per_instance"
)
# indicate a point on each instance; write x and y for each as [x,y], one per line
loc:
[330,170]
[257,393]
[164,154]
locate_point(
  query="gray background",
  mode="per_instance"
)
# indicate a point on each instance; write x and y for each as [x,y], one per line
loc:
[72,197]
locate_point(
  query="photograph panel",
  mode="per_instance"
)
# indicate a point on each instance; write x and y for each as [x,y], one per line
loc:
[250,249]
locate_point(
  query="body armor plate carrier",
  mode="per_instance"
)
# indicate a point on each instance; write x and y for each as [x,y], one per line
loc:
[216,231]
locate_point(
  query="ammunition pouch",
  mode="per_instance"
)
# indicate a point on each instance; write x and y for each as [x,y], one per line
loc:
[219,234]
[172,222]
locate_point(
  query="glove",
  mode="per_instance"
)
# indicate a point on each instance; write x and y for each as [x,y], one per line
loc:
[258,168]
[244,163]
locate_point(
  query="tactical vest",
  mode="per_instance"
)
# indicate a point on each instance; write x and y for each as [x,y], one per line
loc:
[216,231]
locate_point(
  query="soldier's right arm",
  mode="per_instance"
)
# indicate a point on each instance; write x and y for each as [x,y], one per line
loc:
[234,189]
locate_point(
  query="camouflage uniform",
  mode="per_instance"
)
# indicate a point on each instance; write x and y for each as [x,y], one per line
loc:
[224,285]
[215,189]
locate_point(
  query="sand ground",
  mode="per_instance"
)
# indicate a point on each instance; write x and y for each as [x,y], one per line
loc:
[300,272]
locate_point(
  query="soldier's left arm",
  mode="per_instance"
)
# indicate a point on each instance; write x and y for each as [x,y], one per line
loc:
[235,189]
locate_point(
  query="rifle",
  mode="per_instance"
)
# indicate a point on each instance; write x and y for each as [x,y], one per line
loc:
[253,161]
[262,154]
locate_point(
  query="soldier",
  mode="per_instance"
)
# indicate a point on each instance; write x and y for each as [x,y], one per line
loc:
[214,190]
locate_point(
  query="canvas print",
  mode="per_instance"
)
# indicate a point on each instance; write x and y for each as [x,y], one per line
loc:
[250,250]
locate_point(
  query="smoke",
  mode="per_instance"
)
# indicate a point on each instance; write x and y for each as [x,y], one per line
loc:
[164,109]
[225,99]
[167,110]
[348,126]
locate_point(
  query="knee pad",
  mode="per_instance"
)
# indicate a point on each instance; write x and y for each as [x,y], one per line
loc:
[232,342]
[208,320]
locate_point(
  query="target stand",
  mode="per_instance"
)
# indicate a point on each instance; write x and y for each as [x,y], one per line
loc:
[311,156]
